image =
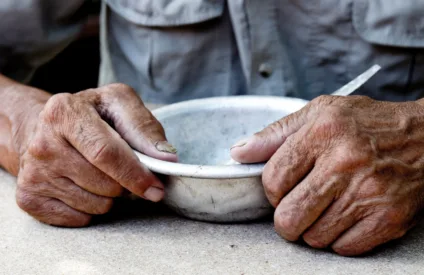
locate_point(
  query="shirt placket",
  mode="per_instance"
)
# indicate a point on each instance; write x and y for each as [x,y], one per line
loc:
[270,69]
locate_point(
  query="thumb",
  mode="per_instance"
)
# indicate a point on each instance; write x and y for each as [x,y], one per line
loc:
[262,145]
[145,134]
[135,123]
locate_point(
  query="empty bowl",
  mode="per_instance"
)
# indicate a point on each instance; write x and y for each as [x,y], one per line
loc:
[206,184]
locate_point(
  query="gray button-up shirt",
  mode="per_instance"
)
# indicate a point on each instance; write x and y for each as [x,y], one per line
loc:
[33,31]
[173,50]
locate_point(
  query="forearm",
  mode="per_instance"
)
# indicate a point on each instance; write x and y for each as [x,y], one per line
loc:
[18,106]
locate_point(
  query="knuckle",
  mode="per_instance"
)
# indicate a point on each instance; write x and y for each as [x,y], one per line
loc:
[104,207]
[268,177]
[270,186]
[42,210]
[276,179]
[114,190]
[313,241]
[82,221]
[28,177]
[121,89]
[67,221]
[284,226]
[351,247]
[270,183]
[342,250]
[273,129]
[348,158]
[101,152]
[40,148]
[148,125]
[333,117]
[394,216]
[335,112]
[62,218]
[359,101]
[332,123]
[135,181]
[372,187]
[103,185]
[322,100]
[400,233]
[55,108]
[26,201]
[355,206]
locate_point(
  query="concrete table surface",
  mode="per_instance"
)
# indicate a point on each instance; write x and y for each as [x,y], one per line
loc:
[142,238]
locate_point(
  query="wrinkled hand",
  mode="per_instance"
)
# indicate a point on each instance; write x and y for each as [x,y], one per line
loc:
[78,156]
[343,171]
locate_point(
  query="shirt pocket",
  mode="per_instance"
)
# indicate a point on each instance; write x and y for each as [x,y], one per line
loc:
[175,46]
[398,23]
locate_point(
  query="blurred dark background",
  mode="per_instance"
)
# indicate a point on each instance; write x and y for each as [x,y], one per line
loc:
[77,67]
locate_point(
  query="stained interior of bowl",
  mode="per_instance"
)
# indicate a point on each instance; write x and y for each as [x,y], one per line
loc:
[203,130]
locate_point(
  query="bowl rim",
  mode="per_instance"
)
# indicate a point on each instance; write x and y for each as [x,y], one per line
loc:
[213,171]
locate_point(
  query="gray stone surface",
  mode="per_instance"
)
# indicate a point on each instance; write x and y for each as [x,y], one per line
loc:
[140,238]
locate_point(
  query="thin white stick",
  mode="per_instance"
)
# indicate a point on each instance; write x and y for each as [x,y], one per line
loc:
[357,82]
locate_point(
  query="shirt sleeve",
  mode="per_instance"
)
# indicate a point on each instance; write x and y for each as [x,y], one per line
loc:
[34,31]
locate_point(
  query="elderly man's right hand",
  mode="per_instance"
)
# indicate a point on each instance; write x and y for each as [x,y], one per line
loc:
[77,155]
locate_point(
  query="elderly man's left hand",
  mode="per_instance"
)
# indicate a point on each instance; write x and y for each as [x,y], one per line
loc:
[343,171]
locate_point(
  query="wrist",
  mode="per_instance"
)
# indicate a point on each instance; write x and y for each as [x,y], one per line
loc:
[20,106]
[23,125]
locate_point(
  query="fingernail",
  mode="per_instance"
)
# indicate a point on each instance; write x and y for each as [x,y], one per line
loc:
[164,146]
[154,194]
[240,143]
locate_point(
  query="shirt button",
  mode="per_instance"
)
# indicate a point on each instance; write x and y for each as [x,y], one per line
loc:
[265,70]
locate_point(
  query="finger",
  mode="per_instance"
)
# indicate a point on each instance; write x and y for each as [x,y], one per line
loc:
[300,208]
[261,146]
[290,164]
[103,147]
[45,147]
[132,120]
[51,211]
[87,176]
[72,195]
[366,235]
[339,217]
